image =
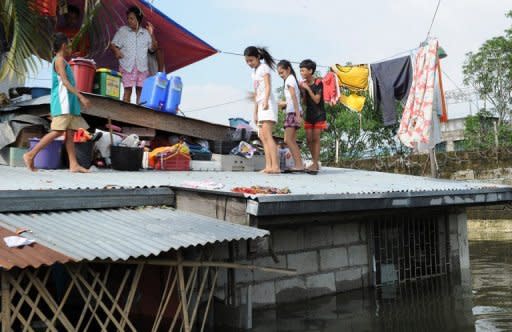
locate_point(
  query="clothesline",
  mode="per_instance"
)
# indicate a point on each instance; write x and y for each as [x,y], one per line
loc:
[324,66]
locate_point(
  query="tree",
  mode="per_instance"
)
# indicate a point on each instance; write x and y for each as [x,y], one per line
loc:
[489,71]
[25,34]
[357,134]
[482,132]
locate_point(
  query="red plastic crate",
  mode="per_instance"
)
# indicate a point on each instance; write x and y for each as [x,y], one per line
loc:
[175,162]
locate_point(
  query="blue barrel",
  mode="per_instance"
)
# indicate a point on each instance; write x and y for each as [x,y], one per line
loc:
[154,91]
[174,94]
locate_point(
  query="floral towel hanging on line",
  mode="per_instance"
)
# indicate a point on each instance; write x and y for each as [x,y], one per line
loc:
[416,123]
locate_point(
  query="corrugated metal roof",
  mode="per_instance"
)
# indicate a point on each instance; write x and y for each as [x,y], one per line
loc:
[33,255]
[43,100]
[121,234]
[329,181]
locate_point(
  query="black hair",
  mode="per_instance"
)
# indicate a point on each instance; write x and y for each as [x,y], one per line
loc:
[308,64]
[139,14]
[287,65]
[58,39]
[260,53]
[73,10]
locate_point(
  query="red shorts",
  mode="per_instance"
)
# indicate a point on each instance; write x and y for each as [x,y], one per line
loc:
[317,125]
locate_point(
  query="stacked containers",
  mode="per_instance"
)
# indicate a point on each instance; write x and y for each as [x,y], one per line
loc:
[83,71]
[107,83]
[154,91]
[173,99]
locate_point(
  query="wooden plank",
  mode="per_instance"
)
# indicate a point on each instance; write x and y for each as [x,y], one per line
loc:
[196,264]
[214,283]
[183,294]
[139,131]
[6,309]
[232,209]
[143,117]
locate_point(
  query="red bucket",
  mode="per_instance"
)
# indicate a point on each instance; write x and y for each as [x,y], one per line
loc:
[84,71]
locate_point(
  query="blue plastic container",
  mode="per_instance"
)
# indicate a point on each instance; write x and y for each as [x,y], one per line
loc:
[50,156]
[174,94]
[154,91]
[235,122]
[39,92]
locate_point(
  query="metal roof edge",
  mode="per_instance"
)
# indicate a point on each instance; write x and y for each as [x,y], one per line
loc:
[74,199]
[272,206]
[379,195]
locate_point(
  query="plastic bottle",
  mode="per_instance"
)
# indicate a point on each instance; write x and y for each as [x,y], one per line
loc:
[174,94]
[154,91]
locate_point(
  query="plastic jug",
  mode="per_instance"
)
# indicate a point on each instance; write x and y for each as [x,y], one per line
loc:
[174,94]
[154,91]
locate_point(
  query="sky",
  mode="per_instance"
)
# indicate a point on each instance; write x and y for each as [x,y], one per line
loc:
[327,31]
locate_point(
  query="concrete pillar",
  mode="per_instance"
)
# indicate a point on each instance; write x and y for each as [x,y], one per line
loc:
[450,146]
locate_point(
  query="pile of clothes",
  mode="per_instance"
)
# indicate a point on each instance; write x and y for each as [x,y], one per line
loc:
[261,190]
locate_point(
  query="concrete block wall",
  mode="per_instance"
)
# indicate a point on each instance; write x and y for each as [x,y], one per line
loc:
[328,259]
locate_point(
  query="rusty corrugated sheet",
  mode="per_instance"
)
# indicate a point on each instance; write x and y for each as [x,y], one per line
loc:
[34,255]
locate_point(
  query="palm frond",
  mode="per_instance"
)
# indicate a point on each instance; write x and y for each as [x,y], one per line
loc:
[28,34]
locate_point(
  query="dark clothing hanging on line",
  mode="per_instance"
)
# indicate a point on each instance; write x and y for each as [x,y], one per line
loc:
[391,82]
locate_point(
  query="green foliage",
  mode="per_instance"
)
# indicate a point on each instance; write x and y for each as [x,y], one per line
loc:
[357,135]
[30,34]
[482,130]
[489,71]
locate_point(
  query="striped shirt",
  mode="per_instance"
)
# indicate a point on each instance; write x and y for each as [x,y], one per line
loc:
[62,101]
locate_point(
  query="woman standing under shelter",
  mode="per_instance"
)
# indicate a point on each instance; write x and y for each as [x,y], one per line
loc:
[131,45]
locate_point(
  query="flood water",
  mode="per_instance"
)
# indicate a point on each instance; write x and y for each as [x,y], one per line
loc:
[482,301]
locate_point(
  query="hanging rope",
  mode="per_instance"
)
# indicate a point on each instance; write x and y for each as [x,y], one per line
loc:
[433,19]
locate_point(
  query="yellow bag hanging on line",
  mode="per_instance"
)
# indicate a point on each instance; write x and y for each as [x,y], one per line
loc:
[354,102]
[352,77]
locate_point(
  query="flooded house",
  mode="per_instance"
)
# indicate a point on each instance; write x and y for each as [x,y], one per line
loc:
[192,250]
[340,230]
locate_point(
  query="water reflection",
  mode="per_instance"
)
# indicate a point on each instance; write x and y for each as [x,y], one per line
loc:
[491,265]
[484,304]
[434,305]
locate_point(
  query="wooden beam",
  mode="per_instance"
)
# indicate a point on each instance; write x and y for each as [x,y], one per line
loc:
[117,110]
[6,312]
[166,297]
[214,283]
[167,262]
[183,293]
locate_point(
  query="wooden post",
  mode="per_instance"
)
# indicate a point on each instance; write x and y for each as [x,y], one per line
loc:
[433,167]
[183,293]
[110,131]
[131,296]
[214,283]
[199,295]
[165,299]
[337,153]
[6,312]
